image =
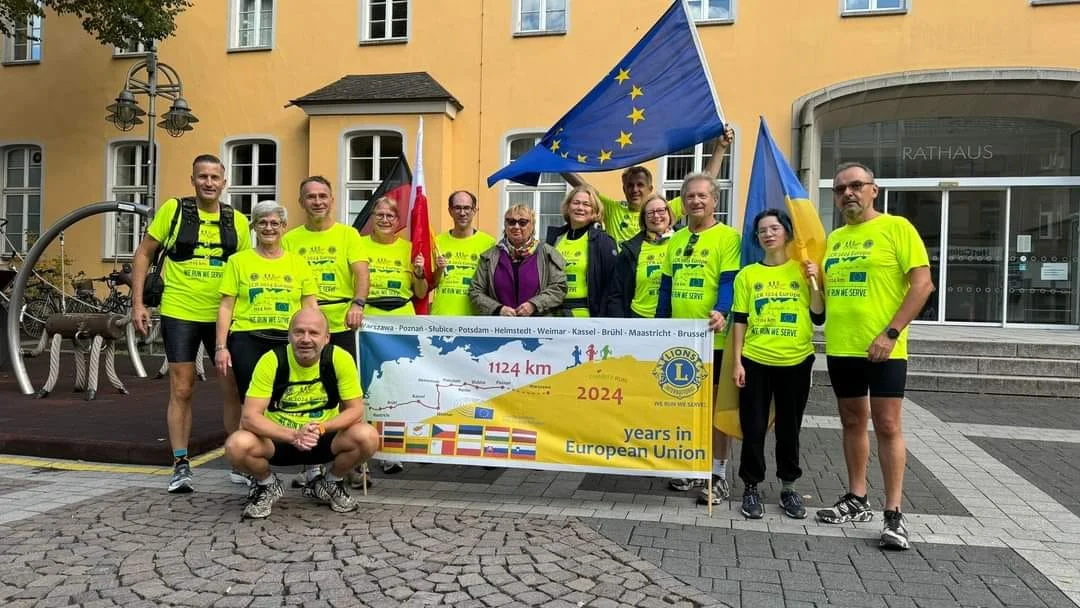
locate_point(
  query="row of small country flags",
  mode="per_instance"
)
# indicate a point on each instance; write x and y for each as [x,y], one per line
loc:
[457,440]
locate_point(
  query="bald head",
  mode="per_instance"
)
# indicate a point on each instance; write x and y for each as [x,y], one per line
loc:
[309,332]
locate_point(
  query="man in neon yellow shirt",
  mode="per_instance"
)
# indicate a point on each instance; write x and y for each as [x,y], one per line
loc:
[877,279]
[621,218]
[459,250]
[333,250]
[697,283]
[293,414]
[198,237]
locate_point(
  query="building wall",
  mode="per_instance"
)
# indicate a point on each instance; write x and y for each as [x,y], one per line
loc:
[761,64]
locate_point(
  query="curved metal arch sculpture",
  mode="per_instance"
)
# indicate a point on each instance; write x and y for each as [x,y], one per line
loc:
[18,367]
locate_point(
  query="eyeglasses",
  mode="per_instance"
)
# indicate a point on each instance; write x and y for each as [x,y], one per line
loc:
[690,244]
[459,209]
[839,189]
[517,222]
[769,230]
[267,224]
[386,216]
[656,212]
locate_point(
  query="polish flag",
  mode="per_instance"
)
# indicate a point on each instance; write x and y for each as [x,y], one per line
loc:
[423,241]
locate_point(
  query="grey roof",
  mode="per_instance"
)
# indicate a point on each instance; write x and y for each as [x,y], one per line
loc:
[376,88]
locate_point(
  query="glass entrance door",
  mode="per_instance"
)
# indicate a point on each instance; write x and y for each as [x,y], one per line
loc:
[975,258]
[923,209]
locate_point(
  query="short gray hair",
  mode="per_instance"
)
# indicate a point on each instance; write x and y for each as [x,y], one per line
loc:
[714,189]
[854,165]
[262,209]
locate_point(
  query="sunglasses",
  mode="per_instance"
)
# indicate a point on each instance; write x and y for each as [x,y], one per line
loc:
[690,245]
[839,189]
[517,222]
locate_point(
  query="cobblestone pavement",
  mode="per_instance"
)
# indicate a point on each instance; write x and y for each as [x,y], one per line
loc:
[991,509]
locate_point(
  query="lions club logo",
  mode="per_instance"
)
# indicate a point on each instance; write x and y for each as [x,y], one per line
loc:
[332,250]
[758,286]
[795,286]
[254,277]
[868,244]
[679,372]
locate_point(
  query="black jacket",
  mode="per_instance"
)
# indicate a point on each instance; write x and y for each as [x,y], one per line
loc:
[624,283]
[602,251]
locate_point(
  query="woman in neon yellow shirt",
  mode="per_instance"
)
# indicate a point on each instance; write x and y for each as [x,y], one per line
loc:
[261,288]
[774,312]
[589,253]
[394,279]
[636,287]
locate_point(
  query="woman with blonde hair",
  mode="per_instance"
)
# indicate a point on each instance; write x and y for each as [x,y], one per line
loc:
[519,276]
[635,288]
[395,278]
[588,250]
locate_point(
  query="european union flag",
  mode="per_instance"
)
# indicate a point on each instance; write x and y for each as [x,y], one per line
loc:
[657,100]
[774,185]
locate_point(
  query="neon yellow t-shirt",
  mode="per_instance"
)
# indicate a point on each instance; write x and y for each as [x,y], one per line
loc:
[695,277]
[650,267]
[623,224]
[267,292]
[191,286]
[866,268]
[390,268]
[304,400]
[331,254]
[451,298]
[777,300]
[576,254]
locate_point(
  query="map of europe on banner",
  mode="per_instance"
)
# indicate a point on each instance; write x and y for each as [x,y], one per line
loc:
[589,395]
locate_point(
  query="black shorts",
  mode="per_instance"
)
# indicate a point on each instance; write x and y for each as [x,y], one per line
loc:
[717,363]
[182,338]
[286,454]
[853,377]
[345,339]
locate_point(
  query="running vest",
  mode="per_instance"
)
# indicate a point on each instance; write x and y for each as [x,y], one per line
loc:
[187,237]
[327,375]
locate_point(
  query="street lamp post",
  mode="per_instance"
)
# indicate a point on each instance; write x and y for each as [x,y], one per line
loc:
[159,79]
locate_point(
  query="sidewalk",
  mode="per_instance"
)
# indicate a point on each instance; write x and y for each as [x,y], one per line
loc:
[993,511]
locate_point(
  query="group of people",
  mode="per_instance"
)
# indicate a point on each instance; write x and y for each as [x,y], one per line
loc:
[267,311]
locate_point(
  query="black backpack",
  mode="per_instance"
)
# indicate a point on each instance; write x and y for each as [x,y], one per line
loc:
[327,375]
[183,246]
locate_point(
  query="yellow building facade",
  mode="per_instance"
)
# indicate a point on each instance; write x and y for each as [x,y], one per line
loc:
[967,110]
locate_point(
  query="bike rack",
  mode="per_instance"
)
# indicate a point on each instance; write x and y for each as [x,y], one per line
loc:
[18,366]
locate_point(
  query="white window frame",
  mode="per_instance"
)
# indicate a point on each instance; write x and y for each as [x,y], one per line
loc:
[235,21]
[121,51]
[543,29]
[21,241]
[345,207]
[388,38]
[34,30]
[537,191]
[138,190]
[703,18]
[874,10]
[253,192]
[726,183]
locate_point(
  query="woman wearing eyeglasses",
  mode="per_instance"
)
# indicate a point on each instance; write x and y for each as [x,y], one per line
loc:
[777,303]
[635,289]
[588,250]
[519,276]
[260,289]
[395,278]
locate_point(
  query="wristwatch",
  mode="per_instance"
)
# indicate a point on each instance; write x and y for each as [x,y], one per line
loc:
[360,302]
[892,333]
[418,274]
[220,347]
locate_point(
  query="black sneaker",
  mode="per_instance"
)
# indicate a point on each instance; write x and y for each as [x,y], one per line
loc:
[392,467]
[894,535]
[261,499]
[751,503]
[333,493]
[180,482]
[791,503]
[849,508]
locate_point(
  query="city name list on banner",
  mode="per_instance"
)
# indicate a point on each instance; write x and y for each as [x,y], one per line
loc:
[627,396]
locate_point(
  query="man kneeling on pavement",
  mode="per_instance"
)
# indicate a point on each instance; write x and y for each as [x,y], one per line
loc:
[304,406]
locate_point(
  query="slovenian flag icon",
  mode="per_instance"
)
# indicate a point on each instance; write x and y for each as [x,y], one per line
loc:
[523,452]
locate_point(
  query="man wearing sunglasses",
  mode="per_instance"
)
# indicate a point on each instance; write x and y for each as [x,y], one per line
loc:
[698,283]
[458,251]
[877,279]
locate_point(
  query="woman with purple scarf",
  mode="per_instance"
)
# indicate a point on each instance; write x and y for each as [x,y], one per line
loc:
[520,276]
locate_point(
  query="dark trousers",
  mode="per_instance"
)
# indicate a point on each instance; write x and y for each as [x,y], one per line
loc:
[245,348]
[787,387]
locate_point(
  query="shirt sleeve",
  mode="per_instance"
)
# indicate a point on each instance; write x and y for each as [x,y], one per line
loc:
[677,211]
[262,379]
[243,231]
[159,226]
[230,284]
[353,246]
[742,296]
[348,377]
[732,255]
[609,209]
[910,249]
[308,286]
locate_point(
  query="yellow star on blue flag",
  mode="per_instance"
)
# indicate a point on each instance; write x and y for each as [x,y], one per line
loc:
[664,77]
